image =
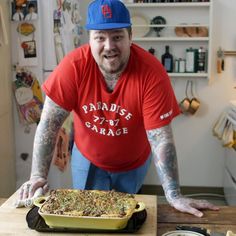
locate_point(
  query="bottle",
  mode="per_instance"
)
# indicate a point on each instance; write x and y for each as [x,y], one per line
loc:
[191,60]
[201,60]
[167,60]
[182,64]
[176,67]
[151,50]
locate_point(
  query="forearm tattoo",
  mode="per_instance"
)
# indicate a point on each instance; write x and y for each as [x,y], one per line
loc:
[51,120]
[165,159]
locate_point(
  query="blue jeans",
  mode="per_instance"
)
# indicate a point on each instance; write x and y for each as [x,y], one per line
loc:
[85,175]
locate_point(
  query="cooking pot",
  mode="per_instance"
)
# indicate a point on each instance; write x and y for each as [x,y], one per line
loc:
[187,105]
[186,102]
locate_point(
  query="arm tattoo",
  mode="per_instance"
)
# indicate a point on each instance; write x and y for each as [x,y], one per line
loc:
[51,120]
[165,159]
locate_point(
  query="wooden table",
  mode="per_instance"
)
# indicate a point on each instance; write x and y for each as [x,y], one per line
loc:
[13,222]
[218,221]
[161,219]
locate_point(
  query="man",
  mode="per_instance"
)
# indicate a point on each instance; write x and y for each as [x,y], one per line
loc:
[18,15]
[31,15]
[122,104]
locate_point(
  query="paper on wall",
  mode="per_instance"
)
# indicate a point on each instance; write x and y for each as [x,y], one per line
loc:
[23,60]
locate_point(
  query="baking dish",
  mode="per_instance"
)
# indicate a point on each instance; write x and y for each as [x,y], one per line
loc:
[85,222]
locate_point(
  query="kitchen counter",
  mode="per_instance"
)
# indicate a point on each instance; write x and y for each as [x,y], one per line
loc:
[160,219]
[216,221]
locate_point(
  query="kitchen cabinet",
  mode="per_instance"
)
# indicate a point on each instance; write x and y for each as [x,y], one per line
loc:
[177,15]
[230,176]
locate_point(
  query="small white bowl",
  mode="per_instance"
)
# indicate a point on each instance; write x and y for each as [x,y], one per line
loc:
[182,233]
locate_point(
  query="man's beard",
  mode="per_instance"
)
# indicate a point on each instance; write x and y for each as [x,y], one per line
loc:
[117,70]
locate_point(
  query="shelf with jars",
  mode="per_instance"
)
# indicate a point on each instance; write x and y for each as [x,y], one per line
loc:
[178,25]
[167,4]
[146,39]
[188,75]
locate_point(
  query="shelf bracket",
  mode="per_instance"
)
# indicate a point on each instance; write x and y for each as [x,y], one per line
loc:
[221,53]
[220,58]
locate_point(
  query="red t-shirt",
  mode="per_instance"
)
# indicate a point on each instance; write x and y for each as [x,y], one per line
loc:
[110,128]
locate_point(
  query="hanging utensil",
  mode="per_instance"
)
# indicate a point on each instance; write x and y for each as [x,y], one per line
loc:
[185,103]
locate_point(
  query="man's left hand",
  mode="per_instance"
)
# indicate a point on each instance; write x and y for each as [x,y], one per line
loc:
[192,206]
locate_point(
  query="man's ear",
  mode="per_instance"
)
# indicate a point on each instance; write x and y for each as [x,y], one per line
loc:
[131,37]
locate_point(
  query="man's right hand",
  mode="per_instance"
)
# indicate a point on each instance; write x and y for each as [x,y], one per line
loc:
[28,189]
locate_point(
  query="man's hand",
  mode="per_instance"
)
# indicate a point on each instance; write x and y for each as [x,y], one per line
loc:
[165,160]
[28,189]
[191,206]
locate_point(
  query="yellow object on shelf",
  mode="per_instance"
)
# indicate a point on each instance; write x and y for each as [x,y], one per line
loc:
[230,233]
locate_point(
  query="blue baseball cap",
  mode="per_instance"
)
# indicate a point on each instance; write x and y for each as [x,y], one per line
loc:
[107,14]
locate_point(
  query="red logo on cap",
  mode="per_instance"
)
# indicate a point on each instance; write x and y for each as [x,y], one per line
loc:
[106,11]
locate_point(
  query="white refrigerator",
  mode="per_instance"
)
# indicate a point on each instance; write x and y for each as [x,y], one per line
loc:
[57,30]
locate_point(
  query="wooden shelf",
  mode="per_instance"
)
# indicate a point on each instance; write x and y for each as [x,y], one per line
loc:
[192,75]
[179,4]
[174,25]
[177,14]
[181,39]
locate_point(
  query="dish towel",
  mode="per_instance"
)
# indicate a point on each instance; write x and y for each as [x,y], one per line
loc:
[230,233]
[225,127]
[29,202]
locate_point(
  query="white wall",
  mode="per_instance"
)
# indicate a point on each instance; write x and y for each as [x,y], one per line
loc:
[200,154]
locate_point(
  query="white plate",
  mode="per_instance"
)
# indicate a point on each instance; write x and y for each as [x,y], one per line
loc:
[140,26]
[182,233]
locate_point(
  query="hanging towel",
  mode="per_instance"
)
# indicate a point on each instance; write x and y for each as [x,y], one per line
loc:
[29,202]
[220,125]
[228,135]
[225,127]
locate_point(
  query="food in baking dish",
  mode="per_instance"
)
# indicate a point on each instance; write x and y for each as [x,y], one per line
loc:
[92,203]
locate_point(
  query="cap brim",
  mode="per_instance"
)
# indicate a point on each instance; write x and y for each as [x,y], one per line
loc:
[107,26]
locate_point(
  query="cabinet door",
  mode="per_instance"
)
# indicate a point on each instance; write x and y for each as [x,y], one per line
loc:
[231,161]
[7,163]
[5,84]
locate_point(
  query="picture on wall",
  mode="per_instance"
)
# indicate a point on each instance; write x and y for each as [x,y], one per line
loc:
[24,10]
[29,48]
